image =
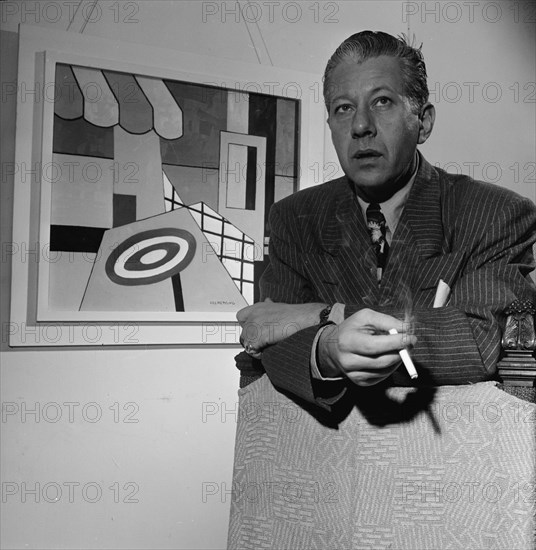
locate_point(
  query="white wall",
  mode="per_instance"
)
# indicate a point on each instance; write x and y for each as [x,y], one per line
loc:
[135,430]
[173,452]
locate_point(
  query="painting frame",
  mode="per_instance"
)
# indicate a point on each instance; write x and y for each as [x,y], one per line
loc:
[32,322]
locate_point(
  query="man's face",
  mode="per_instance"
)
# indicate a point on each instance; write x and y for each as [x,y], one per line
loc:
[373,128]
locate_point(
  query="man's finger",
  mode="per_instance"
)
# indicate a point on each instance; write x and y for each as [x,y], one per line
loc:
[374,374]
[367,364]
[380,321]
[243,314]
[374,345]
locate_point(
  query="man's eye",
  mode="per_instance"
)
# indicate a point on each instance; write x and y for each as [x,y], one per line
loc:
[383,101]
[343,108]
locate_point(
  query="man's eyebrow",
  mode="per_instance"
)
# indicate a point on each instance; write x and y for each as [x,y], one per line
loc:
[337,97]
[382,88]
[376,89]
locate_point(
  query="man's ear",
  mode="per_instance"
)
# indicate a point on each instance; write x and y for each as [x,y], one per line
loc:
[426,122]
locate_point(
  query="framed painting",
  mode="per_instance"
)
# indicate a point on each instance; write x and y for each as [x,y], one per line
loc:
[154,175]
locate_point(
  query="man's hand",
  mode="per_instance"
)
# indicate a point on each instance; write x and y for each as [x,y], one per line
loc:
[268,322]
[361,349]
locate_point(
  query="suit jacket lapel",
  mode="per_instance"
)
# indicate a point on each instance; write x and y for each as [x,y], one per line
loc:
[420,254]
[345,237]
[422,213]
[418,236]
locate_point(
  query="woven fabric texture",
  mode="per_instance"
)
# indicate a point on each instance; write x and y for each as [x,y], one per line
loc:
[457,472]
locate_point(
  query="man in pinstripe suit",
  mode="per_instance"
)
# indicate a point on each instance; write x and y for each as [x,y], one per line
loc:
[327,308]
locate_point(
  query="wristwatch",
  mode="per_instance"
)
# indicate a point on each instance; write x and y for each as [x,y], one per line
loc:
[324,315]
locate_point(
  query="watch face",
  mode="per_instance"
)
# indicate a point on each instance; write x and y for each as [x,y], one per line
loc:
[324,314]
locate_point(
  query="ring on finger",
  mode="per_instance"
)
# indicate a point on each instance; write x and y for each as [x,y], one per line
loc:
[250,349]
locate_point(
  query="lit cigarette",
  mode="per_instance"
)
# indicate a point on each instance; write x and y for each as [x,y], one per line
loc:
[406,359]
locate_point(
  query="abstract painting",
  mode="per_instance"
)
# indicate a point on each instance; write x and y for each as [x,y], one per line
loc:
[160,191]
[142,183]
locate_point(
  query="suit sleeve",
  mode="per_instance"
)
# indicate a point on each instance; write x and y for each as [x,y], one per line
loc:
[287,363]
[457,344]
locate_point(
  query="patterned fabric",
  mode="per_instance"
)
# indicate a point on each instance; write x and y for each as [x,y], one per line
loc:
[526,393]
[378,235]
[475,236]
[414,469]
[250,369]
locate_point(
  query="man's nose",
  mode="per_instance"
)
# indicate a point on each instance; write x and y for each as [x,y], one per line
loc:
[363,123]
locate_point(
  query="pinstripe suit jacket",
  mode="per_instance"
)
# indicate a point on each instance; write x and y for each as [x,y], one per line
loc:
[475,236]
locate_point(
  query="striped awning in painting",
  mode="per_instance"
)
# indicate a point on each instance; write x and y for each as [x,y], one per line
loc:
[107,98]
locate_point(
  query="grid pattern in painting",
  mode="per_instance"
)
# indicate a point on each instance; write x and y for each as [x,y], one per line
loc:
[234,249]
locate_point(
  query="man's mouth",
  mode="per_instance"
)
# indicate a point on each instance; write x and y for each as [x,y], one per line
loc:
[367,154]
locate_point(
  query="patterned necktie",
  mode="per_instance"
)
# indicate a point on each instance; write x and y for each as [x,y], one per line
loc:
[378,231]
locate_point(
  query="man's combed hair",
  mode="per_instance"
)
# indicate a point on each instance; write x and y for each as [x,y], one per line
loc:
[368,44]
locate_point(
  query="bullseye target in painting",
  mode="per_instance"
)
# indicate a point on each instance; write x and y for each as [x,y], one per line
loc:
[151,256]
[163,263]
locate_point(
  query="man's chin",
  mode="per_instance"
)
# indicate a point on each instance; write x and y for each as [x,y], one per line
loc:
[368,180]
[372,186]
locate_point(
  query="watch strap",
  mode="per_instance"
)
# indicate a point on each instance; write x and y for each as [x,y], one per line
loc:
[324,315]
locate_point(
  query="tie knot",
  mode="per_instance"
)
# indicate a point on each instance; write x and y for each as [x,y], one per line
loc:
[374,213]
